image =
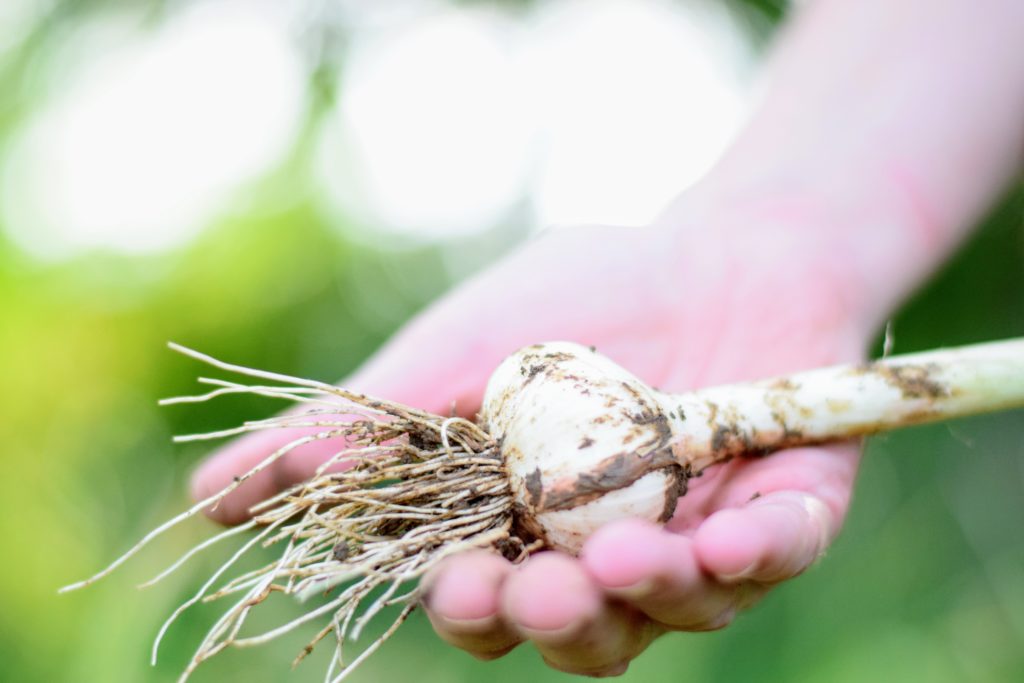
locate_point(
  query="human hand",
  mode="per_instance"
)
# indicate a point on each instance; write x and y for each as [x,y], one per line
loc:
[681,307]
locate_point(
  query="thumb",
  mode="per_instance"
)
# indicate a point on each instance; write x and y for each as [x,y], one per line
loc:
[426,365]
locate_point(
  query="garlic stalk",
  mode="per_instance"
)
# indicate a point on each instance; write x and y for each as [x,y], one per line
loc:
[567,440]
[586,442]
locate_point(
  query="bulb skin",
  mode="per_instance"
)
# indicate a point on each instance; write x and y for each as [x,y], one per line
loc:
[584,443]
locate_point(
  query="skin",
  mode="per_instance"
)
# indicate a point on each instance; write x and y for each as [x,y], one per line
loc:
[879,141]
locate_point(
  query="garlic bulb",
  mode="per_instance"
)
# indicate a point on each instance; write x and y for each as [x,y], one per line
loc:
[586,442]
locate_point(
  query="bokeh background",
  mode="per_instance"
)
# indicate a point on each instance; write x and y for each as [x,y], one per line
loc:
[283,184]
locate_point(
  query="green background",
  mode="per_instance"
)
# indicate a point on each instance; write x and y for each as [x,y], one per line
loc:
[925,584]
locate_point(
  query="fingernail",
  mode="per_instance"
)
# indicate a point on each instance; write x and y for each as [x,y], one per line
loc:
[634,591]
[556,636]
[463,626]
[822,515]
[741,575]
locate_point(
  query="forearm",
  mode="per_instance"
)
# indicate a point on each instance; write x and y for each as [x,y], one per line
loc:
[888,126]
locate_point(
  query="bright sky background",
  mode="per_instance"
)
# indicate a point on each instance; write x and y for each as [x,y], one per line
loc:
[590,110]
[147,133]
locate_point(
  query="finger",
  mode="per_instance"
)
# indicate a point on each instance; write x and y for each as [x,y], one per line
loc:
[244,454]
[454,375]
[772,538]
[462,600]
[827,472]
[553,602]
[657,572]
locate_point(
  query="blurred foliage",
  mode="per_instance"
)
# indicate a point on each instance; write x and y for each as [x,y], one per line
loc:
[926,583]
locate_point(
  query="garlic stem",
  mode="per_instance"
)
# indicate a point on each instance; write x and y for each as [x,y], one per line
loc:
[845,401]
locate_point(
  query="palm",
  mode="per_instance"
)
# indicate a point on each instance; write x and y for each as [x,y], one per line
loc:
[628,292]
[679,309]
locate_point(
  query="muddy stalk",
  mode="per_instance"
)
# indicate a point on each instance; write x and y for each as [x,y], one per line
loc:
[567,441]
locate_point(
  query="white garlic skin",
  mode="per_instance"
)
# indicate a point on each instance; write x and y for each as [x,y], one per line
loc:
[585,442]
